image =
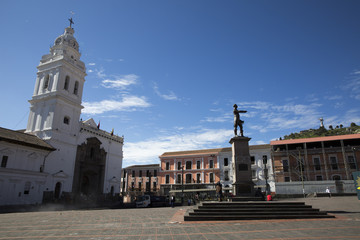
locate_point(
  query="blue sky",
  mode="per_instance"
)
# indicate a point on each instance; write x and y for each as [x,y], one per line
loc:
[165,74]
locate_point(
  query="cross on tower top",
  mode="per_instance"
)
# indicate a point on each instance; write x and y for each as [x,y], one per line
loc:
[71,21]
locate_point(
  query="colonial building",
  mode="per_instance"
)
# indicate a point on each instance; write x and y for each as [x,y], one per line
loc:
[75,159]
[200,170]
[139,180]
[330,159]
[197,169]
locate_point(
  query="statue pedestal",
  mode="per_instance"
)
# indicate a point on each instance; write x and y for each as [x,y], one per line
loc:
[243,184]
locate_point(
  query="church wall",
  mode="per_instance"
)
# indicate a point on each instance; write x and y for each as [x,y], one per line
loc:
[114,156]
[21,181]
[62,160]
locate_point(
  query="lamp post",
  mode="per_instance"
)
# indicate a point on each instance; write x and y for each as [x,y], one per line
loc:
[301,172]
[354,153]
[265,174]
[213,165]
[182,185]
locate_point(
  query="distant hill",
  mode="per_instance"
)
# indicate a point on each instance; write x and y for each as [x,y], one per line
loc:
[322,132]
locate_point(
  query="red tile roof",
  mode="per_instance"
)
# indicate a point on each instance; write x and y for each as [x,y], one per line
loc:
[316,139]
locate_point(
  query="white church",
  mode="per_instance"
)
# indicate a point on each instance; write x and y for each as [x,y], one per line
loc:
[59,156]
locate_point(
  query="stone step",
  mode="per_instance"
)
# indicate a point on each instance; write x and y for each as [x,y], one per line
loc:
[212,211]
[242,199]
[257,213]
[251,217]
[253,206]
[253,203]
[226,210]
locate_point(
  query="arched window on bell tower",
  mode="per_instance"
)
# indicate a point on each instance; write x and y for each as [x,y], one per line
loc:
[76,87]
[46,82]
[66,120]
[66,84]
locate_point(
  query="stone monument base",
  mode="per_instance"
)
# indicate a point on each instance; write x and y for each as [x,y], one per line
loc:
[243,185]
[244,189]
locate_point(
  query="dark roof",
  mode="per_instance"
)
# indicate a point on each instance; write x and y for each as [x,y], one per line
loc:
[25,139]
[144,166]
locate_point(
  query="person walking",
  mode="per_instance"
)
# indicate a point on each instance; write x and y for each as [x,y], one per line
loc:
[328,191]
[172,201]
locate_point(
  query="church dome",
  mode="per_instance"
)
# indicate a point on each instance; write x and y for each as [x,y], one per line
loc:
[68,39]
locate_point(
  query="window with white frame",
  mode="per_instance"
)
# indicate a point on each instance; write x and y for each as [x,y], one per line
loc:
[211,177]
[76,87]
[188,164]
[317,165]
[198,178]
[334,163]
[167,179]
[211,163]
[351,161]
[179,165]
[226,162]
[46,82]
[178,179]
[167,166]
[4,161]
[198,164]
[189,178]
[67,81]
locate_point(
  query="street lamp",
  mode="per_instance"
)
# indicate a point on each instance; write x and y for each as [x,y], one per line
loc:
[265,174]
[356,165]
[301,171]
[182,185]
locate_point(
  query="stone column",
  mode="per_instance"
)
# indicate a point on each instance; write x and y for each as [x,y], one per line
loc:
[243,185]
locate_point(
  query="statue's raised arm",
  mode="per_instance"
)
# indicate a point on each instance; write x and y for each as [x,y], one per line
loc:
[238,121]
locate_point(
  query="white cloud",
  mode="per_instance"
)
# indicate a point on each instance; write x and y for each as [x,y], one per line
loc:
[224,118]
[281,117]
[353,85]
[100,73]
[333,97]
[127,103]
[91,64]
[151,149]
[120,82]
[170,96]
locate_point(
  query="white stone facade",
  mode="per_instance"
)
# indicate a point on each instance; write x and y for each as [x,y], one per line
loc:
[257,167]
[75,165]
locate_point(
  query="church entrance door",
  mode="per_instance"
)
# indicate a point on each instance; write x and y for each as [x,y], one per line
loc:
[89,169]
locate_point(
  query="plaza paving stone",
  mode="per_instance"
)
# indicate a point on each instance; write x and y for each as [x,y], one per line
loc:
[168,223]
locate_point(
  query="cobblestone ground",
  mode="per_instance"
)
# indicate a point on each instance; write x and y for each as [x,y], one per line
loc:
[167,223]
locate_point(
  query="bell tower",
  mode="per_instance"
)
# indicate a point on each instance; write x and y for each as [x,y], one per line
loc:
[56,101]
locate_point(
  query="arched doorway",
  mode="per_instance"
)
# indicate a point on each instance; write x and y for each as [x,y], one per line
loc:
[57,190]
[89,172]
[85,185]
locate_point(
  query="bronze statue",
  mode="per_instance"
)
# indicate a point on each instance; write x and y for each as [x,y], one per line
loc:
[237,121]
